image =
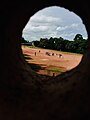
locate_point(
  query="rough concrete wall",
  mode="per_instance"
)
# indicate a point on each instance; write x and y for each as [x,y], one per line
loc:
[23,94]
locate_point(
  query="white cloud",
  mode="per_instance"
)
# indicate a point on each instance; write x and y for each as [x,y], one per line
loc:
[41,23]
[44,18]
[38,28]
[74,25]
[61,28]
[53,22]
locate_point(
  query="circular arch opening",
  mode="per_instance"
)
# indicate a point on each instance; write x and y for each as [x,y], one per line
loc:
[66,97]
[54,24]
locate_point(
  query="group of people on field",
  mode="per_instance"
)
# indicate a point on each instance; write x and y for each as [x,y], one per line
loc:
[51,54]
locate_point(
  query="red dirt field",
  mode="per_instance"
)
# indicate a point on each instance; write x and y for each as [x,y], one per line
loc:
[67,61]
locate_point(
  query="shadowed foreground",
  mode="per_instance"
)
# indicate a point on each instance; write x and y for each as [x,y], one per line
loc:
[25,95]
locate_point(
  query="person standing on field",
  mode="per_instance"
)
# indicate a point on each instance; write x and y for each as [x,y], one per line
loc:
[35,53]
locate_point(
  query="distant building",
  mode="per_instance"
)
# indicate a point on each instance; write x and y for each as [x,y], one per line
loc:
[28,43]
[32,43]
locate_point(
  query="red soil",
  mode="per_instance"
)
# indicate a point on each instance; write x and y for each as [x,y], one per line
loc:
[67,61]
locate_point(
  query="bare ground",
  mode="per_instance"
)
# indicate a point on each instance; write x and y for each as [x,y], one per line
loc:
[67,61]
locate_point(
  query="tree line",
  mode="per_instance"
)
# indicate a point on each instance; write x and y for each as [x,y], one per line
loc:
[77,45]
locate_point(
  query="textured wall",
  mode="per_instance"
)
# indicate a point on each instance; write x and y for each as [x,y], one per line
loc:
[23,95]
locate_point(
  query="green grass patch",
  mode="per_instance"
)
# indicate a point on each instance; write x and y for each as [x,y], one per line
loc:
[55,69]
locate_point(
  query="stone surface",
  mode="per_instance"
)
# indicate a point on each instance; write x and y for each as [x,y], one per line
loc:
[23,95]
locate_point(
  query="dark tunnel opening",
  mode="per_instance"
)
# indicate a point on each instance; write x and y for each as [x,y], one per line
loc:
[23,93]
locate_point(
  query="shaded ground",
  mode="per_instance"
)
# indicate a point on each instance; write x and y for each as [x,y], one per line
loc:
[51,65]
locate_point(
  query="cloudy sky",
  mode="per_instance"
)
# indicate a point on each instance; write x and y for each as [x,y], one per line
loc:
[54,22]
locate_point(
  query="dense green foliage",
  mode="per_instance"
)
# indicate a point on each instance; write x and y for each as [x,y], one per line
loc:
[23,40]
[77,45]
